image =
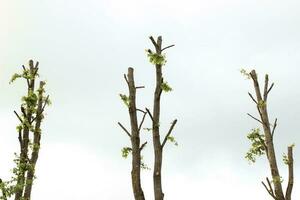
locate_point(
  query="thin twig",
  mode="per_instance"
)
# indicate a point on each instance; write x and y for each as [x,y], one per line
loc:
[148,111]
[169,132]
[272,195]
[143,145]
[125,77]
[266,87]
[274,126]
[252,97]
[270,88]
[140,126]
[168,47]
[141,110]
[124,129]
[139,87]
[18,116]
[254,118]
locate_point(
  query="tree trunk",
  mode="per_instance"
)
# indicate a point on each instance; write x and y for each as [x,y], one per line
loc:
[135,140]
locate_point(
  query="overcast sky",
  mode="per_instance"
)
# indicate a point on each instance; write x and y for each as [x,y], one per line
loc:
[85,46]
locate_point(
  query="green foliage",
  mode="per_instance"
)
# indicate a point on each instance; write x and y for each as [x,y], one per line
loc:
[277,179]
[245,73]
[126,151]
[156,59]
[165,87]
[125,99]
[172,139]
[27,74]
[261,104]
[285,159]
[14,77]
[257,145]
[147,129]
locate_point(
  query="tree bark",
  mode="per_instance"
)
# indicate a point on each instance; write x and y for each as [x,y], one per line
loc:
[158,153]
[36,144]
[135,139]
[262,109]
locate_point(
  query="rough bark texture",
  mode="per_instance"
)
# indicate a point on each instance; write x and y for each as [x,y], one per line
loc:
[36,143]
[158,147]
[261,102]
[135,138]
[291,173]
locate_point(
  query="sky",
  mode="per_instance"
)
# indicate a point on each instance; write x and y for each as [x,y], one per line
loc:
[85,47]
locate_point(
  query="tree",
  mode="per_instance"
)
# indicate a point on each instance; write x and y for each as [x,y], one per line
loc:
[263,143]
[159,60]
[135,149]
[29,135]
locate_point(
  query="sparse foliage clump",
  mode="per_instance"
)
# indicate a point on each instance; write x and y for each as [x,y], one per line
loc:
[258,146]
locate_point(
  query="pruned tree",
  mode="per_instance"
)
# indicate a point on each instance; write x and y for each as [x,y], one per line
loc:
[134,135]
[159,60]
[29,135]
[263,143]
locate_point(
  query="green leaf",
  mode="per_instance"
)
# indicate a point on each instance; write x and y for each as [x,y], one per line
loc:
[156,59]
[14,77]
[125,99]
[165,87]
[172,139]
[257,145]
[126,151]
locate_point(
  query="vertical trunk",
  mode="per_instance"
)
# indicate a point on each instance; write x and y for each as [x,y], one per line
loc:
[291,173]
[25,139]
[262,108]
[36,144]
[158,192]
[135,140]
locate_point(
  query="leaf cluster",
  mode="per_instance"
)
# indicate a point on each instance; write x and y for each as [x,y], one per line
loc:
[257,145]
[165,87]
[156,59]
[125,99]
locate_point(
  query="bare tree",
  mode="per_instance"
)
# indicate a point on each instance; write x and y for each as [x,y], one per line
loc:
[158,59]
[29,135]
[134,135]
[263,143]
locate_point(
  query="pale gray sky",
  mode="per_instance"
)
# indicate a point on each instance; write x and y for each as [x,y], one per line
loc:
[85,47]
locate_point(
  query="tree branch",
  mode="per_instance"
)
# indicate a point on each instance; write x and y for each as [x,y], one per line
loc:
[270,88]
[143,145]
[168,47]
[266,87]
[124,129]
[153,41]
[252,97]
[42,110]
[254,118]
[139,87]
[270,191]
[274,126]
[18,116]
[148,111]
[140,126]
[169,132]
[125,77]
